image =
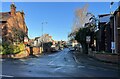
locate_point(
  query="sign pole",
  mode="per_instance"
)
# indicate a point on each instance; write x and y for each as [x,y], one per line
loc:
[88,41]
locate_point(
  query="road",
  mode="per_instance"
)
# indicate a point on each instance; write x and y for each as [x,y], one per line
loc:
[59,64]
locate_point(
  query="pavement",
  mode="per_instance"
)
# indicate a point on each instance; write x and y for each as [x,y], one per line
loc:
[88,60]
[59,64]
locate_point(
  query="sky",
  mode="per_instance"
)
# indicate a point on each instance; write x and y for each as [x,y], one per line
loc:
[59,16]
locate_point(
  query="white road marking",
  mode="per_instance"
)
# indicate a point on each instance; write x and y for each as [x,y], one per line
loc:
[22,60]
[52,54]
[57,69]
[81,66]
[2,60]
[50,62]
[76,60]
[62,65]
[55,59]
[74,57]
[6,76]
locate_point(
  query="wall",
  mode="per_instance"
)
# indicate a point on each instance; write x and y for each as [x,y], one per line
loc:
[25,53]
[112,58]
[36,50]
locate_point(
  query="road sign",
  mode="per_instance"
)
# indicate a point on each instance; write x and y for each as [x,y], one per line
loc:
[25,40]
[88,39]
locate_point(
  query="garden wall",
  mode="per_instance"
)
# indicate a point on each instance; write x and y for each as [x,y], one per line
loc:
[23,54]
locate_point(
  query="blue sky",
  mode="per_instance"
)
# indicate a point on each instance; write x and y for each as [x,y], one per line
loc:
[60,16]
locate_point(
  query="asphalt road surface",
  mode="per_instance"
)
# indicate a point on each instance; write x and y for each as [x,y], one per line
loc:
[59,64]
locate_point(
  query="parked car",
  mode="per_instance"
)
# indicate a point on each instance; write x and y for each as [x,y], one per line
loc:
[61,47]
[71,48]
[78,47]
[54,48]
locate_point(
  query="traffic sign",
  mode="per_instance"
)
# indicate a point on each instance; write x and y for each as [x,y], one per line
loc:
[88,39]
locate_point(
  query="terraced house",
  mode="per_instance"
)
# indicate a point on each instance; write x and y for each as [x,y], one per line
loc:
[13,25]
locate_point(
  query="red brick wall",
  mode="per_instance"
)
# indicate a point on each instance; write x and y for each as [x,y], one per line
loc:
[36,50]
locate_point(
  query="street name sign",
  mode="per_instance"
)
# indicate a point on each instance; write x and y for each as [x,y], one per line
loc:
[113,45]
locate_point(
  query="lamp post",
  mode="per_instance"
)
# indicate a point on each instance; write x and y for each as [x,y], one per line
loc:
[42,33]
[113,43]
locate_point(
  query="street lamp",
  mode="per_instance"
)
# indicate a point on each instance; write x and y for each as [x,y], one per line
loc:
[42,33]
[113,43]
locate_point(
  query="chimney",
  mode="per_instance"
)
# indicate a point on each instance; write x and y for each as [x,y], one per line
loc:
[13,9]
[23,14]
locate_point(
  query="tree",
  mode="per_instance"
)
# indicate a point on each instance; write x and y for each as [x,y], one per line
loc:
[81,38]
[88,30]
[84,25]
[81,18]
[18,35]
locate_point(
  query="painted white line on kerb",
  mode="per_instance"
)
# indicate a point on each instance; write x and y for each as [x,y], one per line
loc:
[76,60]
[6,76]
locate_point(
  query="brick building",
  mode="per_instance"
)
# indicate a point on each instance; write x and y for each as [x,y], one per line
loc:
[109,31]
[13,19]
[104,33]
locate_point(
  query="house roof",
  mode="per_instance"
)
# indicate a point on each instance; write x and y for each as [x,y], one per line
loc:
[102,15]
[4,16]
[117,10]
[104,18]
